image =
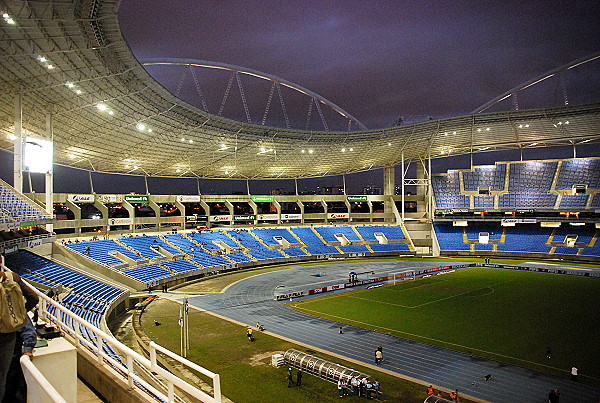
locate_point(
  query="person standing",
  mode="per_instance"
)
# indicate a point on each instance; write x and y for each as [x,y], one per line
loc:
[430,390]
[340,386]
[249,334]
[574,373]
[299,378]
[16,387]
[9,337]
[290,378]
[378,357]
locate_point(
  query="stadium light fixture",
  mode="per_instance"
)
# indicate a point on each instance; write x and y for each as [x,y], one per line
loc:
[50,66]
[42,59]
[182,139]
[310,151]
[101,107]
[110,113]
[390,144]
[191,141]
[72,156]
[351,149]
[303,151]
[343,150]
[70,85]
[5,16]
[141,127]
[178,170]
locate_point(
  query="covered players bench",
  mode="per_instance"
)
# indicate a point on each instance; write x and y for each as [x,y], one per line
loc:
[319,367]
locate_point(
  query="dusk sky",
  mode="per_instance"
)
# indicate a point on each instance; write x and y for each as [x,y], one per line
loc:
[378,60]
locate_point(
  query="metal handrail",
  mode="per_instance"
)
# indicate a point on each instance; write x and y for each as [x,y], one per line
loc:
[94,340]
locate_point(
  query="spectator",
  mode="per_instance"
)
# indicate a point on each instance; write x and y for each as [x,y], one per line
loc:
[8,340]
[16,387]
[574,373]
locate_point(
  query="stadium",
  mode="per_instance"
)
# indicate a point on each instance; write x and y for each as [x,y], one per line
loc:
[502,258]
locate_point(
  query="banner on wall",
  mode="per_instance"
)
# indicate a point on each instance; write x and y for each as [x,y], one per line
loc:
[333,216]
[269,217]
[188,199]
[220,218]
[81,198]
[291,216]
[110,198]
[137,198]
[262,198]
[120,221]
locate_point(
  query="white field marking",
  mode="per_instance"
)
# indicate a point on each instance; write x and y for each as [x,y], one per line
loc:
[458,295]
[412,288]
[347,320]
[380,302]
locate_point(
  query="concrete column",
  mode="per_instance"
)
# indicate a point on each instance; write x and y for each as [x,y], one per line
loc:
[18,147]
[389,188]
[50,175]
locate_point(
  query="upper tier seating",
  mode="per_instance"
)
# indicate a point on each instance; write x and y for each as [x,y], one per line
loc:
[485,176]
[527,200]
[447,191]
[579,172]
[531,176]
[574,201]
[522,238]
[18,207]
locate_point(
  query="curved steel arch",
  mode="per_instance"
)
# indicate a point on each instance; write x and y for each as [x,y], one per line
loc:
[254,73]
[536,80]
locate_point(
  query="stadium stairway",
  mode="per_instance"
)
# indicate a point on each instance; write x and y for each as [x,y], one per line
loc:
[324,241]
[362,239]
[303,248]
[241,245]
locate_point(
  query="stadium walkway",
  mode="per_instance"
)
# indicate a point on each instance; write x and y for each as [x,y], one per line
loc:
[251,300]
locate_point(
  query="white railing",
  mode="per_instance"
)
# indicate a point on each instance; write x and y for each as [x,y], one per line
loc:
[94,340]
[38,387]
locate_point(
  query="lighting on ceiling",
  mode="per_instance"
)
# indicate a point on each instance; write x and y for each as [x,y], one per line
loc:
[50,66]
[310,151]
[101,107]
[523,126]
[141,127]
[70,85]
[343,150]
[390,144]
[42,59]
[182,139]
[11,137]
[226,172]
[78,91]
[191,141]
[303,151]
[178,170]
[7,19]
[351,149]
[72,156]
[110,112]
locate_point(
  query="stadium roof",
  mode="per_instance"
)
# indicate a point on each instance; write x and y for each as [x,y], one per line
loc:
[109,115]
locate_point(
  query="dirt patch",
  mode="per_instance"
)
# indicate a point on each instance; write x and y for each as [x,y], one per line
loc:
[262,359]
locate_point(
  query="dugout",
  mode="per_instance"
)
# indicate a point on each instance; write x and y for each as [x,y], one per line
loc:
[319,367]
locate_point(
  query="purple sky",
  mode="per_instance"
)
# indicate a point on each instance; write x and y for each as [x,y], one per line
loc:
[377,59]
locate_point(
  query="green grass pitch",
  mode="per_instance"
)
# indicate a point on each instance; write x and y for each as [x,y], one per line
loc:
[504,315]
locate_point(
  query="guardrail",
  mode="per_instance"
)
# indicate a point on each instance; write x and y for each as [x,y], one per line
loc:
[116,356]
[38,387]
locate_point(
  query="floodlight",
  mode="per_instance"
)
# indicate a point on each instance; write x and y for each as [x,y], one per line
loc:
[50,67]
[5,16]
[141,126]
[101,107]
[38,155]
[78,92]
